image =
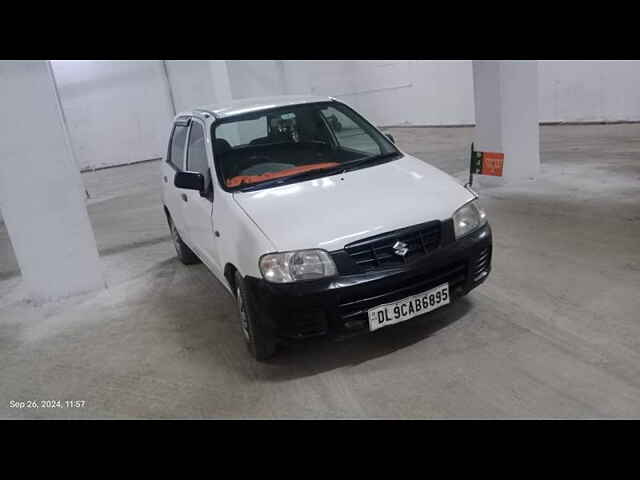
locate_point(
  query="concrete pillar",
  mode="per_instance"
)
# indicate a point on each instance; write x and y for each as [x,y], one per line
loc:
[506,110]
[41,191]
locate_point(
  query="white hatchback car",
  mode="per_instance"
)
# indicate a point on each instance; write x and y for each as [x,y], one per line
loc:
[316,229]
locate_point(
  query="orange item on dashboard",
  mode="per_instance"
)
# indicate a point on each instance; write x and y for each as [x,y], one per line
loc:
[240,179]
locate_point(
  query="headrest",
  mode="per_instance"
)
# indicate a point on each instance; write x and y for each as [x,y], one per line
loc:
[220,146]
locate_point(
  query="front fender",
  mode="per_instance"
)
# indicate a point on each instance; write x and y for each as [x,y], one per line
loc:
[241,240]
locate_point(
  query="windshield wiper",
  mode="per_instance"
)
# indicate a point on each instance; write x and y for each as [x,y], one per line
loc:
[345,167]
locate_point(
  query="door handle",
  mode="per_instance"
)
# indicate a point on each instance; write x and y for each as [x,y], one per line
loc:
[184,197]
[165,179]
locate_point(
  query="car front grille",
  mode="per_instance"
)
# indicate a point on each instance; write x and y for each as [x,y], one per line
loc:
[382,251]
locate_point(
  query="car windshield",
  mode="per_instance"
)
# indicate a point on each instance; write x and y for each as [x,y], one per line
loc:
[285,144]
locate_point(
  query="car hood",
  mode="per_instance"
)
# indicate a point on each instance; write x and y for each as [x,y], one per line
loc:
[333,211]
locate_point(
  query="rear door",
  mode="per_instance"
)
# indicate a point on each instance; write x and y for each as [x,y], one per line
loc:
[173,198]
[199,205]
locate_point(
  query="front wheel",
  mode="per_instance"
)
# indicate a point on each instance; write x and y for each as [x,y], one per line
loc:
[260,342]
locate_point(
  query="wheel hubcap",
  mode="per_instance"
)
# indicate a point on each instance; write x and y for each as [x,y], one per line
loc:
[244,321]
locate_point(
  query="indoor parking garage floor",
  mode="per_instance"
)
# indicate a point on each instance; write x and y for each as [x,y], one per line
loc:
[553,333]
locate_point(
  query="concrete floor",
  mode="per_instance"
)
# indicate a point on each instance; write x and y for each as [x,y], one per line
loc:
[553,333]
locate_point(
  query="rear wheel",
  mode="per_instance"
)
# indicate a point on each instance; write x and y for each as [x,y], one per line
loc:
[185,254]
[260,342]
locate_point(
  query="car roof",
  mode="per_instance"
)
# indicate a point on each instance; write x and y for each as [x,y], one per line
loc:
[244,105]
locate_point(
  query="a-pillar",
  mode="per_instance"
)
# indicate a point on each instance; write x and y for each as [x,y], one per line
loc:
[41,192]
[506,112]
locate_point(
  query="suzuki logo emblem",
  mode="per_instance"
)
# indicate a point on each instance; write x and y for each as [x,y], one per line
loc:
[400,248]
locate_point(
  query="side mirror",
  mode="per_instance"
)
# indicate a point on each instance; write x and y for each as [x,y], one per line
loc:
[390,137]
[189,180]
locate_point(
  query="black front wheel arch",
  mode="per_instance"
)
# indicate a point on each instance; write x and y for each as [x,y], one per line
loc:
[258,337]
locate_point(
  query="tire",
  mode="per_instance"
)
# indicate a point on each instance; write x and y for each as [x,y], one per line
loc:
[185,254]
[260,342]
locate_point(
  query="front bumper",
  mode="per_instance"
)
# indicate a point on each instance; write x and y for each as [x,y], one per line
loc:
[338,306]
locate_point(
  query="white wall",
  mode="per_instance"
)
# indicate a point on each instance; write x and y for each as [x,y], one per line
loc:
[191,83]
[119,111]
[582,91]
[387,92]
[116,111]
[256,78]
[408,92]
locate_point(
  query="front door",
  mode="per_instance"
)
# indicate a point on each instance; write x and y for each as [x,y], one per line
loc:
[199,205]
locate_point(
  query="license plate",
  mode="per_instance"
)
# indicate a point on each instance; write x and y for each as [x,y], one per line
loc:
[405,309]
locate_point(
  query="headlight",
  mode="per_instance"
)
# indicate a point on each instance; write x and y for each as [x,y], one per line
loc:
[468,218]
[289,267]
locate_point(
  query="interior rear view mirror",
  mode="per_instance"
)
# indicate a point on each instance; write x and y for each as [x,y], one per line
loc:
[189,180]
